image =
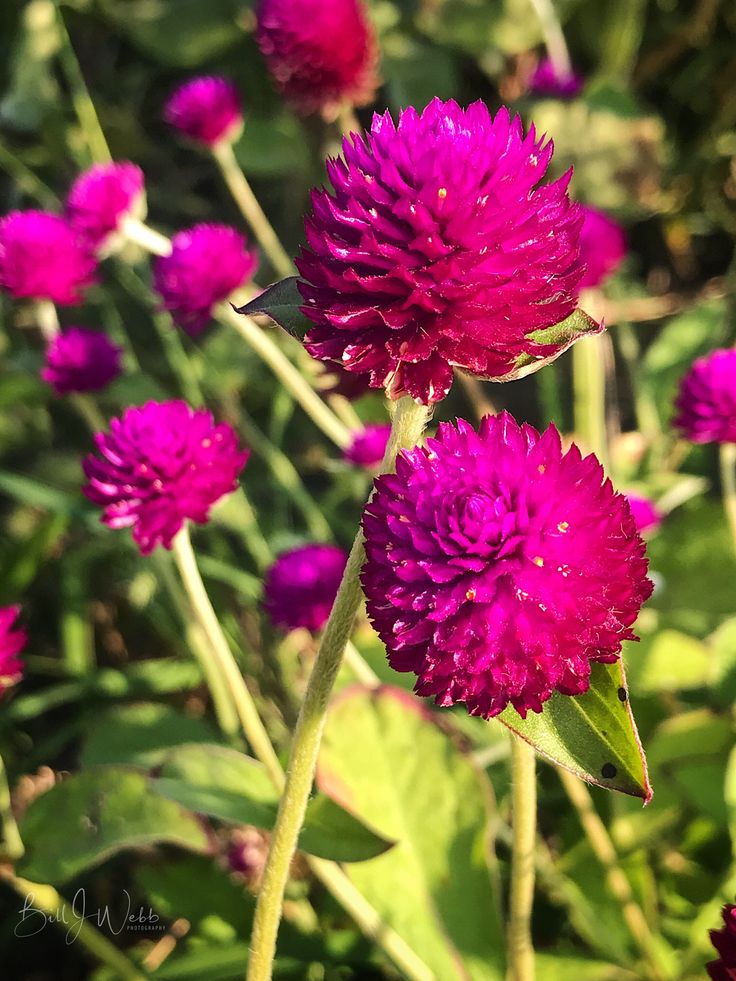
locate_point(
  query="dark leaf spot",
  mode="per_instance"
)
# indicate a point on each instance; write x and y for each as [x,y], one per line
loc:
[622,694]
[609,771]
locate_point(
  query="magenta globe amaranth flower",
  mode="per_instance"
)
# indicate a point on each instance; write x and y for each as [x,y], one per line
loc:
[498,567]
[724,940]
[602,246]
[102,197]
[556,82]
[206,110]
[80,360]
[647,516]
[12,641]
[43,258]
[160,465]
[706,403]
[368,446]
[207,263]
[439,249]
[301,586]
[320,54]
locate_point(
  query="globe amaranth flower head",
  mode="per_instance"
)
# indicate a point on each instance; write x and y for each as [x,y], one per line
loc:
[102,197]
[81,360]
[368,446]
[706,403]
[12,641]
[43,258]
[647,516]
[161,464]
[439,249]
[603,246]
[319,54]
[552,81]
[498,567]
[724,940]
[207,263]
[206,110]
[301,586]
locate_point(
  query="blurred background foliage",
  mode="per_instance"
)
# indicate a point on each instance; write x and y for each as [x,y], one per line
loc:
[110,681]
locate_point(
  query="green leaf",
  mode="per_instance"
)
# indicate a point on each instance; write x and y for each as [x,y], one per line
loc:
[673,661]
[386,760]
[85,819]
[283,303]
[593,735]
[229,786]
[562,335]
[141,734]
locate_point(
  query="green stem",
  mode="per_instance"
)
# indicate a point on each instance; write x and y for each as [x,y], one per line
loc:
[300,390]
[84,107]
[47,319]
[12,843]
[250,209]
[222,656]
[554,39]
[47,900]
[605,851]
[589,392]
[408,423]
[524,814]
[727,454]
[146,237]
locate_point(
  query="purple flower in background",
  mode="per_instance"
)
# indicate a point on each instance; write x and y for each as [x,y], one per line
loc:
[603,246]
[12,641]
[161,464]
[320,55]
[102,197]
[207,263]
[439,249]
[547,80]
[206,110]
[80,360]
[43,258]
[706,403]
[368,446]
[724,940]
[301,586]
[498,567]
[647,515]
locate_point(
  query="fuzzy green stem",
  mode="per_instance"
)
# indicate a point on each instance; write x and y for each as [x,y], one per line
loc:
[250,209]
[146,237]
[727,454]
[589,392]
[408,423]
[554,39]
[222,656]
[47,319]
[605,851]
[524,815]
[84,107]
[47,900]
[11,846]
[295,383]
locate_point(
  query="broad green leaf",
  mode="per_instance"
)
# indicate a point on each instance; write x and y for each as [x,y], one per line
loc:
[562,335]
[141,734]
[386,760]
[593,735]
[283,303]
[227,785]
[85,819]
[673,661]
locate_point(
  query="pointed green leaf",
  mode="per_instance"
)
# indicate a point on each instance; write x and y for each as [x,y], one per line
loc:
[92,815]
[224,784]
[562,335]
[593,735]
[283,303]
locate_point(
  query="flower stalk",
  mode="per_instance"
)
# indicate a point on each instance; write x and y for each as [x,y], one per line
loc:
[589,393]
[408,424]
[524,824]
[727,457]
[250,208]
